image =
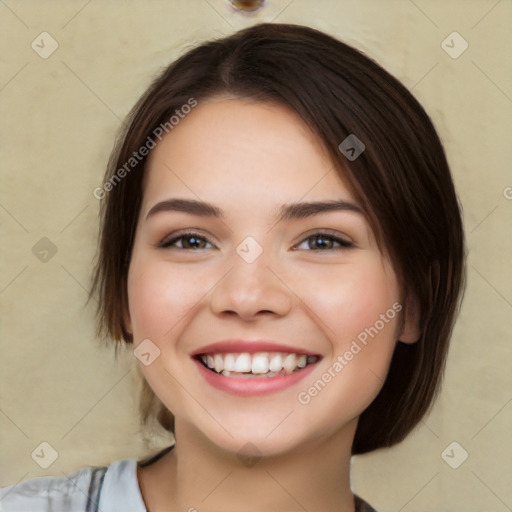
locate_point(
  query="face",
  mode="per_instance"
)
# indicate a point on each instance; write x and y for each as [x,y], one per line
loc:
[314,284]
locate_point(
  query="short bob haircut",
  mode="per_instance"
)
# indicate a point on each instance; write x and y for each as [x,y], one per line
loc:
[402,181]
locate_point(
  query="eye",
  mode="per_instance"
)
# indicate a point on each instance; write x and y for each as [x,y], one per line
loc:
[189,240]
[192,240]
[324,241]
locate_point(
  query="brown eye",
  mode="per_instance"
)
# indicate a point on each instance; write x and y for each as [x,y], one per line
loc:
[189,241]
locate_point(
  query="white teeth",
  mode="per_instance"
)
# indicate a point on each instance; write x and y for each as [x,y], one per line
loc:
[276,363]
[243,363]
[289,363]
[260,363]
[219,362]
[268,364]
[229,362]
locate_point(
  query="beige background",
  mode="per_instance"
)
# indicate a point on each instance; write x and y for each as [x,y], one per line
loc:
[58,122]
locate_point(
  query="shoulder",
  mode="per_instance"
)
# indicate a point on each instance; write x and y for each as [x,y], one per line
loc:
[87,490]
[48,493]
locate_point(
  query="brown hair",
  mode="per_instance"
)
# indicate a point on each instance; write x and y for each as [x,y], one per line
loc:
[402,180]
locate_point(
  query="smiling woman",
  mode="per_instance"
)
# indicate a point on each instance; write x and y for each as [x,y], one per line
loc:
[296,236]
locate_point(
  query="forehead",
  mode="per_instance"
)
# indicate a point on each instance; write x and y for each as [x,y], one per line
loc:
[251,152]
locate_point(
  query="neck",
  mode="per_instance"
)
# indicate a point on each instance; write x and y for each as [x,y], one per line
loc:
[198,475]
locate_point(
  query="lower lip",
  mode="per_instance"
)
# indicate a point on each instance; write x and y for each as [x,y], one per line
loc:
[253,386]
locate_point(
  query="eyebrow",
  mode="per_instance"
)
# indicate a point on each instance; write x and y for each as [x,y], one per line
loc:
[285,213]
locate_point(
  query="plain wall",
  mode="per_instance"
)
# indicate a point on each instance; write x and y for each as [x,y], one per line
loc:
[59,118]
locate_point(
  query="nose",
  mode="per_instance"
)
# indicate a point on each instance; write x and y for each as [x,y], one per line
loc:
[251,290]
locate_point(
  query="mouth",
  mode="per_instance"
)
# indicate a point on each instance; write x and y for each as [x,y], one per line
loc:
[259,365]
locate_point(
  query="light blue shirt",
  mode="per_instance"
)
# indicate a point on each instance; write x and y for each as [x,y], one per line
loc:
[120,491]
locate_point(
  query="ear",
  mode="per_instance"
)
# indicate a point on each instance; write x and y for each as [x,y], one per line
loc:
[411,331]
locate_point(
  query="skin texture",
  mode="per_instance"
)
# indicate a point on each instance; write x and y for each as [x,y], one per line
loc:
[248,158]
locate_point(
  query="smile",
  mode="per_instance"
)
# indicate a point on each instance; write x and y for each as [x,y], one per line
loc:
[259,364]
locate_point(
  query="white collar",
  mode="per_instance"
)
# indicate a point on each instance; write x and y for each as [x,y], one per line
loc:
[120,490]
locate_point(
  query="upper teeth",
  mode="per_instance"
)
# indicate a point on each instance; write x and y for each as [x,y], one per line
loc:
[261,362]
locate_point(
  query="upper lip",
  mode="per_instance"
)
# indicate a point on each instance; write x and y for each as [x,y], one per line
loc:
[249,346]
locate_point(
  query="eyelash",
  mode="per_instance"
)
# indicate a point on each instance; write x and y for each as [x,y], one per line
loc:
[344,244]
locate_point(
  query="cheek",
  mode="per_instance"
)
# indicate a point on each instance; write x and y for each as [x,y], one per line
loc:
[361,309]
[353,299]
[159,297]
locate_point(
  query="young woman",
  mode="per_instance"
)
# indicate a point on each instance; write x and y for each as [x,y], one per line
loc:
[282,246]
